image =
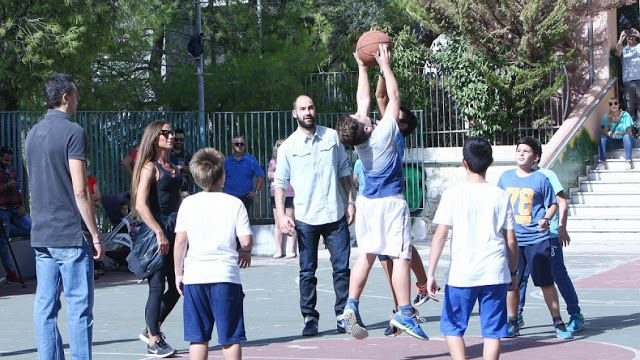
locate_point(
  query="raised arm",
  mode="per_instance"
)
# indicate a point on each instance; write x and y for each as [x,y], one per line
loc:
[381,95]
[383,56]
[363,94]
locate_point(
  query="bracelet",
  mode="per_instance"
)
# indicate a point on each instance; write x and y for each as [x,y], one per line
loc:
[96,243]
[381,73]
[547,220]
[352,203]
[514,273]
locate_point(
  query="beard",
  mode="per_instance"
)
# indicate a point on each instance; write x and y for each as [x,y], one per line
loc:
[306,125]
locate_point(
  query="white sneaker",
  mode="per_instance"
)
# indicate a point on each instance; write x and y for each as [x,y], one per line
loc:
[278,255]
[628,166]
[291,255]
[601,166]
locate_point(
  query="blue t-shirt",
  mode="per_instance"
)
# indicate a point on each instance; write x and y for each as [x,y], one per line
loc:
[382,161]
[557,188]
[530,197]
[362,182]
[624,122]
[240,174]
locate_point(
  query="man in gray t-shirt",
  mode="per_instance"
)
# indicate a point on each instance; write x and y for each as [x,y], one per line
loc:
[630,56]
[56,151]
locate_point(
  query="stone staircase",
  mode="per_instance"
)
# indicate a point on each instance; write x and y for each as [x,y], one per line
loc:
[606,206]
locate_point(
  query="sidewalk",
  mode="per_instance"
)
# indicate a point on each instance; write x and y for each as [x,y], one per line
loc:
[605,275]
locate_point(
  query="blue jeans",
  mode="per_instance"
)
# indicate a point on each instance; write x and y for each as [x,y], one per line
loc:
[560,277]
[71,269]
[14,225]
[606,142]
[336,235]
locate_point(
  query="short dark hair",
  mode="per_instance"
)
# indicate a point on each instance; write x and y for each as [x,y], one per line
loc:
[207,168]
[55,86]
[350,131]
[179,131]
[410,119]
[532,143]
[478,154]
[6,150]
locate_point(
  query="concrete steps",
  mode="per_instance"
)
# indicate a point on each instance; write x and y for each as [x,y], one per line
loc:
[605,207]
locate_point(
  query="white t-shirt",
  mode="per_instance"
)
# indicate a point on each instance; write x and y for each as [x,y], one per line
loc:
[212,221]
[476,213]
[630,63]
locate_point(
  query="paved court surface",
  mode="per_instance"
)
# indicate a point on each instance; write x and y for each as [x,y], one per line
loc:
[606,276]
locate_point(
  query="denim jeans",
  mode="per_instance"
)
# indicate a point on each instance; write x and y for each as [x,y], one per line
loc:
[69,269]
[336,235]
[14,225]
[606,142]
[560,277]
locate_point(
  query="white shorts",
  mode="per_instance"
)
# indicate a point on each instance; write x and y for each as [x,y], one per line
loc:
[383,226]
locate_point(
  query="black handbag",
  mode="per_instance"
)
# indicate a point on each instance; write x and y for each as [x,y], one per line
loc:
[144,258]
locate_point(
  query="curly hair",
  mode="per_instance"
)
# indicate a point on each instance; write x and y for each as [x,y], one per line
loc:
[350,131]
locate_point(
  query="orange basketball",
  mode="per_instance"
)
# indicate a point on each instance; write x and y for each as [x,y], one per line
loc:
[368,45]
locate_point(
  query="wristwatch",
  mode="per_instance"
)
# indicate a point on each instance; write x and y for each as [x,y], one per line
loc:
[513,273]
[547,220]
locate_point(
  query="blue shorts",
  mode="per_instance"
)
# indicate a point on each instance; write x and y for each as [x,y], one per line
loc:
[538,257]
[384,257]
[459,302]
[221,303]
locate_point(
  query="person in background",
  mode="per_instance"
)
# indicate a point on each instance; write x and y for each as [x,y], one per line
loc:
[129,160]
[240,170]
[630,55]
[180,158]
[288,204]
[617,133]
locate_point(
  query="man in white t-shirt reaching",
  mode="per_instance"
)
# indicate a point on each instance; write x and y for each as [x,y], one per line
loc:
[207,263]
[382,221]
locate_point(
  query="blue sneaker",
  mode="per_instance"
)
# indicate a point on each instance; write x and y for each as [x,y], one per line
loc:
[576,322]
[512,329]
[354,323]
[562,332]
[409,325]
[341,325]
[391,330]
[520,321]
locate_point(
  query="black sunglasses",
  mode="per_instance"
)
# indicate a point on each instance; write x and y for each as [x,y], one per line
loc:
[238,144]
[166,133]
[178,139]
[613,103]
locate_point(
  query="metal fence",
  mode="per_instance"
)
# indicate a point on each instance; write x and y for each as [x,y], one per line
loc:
[112,135]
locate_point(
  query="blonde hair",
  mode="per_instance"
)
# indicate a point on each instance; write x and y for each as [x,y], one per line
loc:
[146,153]
[274,153]
[207,168]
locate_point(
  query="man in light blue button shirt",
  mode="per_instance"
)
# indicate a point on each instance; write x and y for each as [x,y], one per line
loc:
[314,162]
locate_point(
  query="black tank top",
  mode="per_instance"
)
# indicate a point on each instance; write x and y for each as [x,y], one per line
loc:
[164,194]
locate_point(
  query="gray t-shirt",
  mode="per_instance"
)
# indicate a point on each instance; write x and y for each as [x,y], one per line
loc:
[48,147]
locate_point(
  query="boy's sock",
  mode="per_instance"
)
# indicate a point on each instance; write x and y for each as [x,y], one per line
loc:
[354,302]
[406,310]
[557,320]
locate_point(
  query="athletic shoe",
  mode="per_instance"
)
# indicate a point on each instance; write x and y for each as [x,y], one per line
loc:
[576,322]
[409,325]
[513,329]
[341,326]
[520,321]
[310,326]
[143,335]
[354,322]
[562,332]
[422,296]
[601,166]
[3,280]
[391,330]
[291,255]
[160,349]
[278,255]
[628,166]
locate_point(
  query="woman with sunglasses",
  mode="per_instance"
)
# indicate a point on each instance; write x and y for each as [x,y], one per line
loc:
[155,197]
[617,133]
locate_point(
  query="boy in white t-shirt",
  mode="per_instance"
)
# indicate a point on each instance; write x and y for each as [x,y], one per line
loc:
[207,262]
[484,254]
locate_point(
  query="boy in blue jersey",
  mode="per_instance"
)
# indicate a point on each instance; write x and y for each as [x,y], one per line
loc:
[558,238]
[484,254]
[382,219]
[534,205]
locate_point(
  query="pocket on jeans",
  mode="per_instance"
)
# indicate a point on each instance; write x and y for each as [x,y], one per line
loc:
[64,253]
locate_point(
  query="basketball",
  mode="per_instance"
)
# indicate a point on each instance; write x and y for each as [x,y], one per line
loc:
[368,45]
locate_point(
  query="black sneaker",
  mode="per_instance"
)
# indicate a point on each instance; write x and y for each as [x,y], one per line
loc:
[310,326]
[144,337]
[160,349]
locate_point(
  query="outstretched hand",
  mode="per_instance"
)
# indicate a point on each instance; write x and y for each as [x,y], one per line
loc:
[383,56]
[358,60]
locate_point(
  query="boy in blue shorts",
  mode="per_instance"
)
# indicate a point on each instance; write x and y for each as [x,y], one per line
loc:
[558,238]
[207,264]
[484,254]
[382,220]
[534,205]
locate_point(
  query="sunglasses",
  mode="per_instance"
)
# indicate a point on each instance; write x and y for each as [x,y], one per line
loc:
[178,139]
[238,144]
[613,103]
[166,133]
